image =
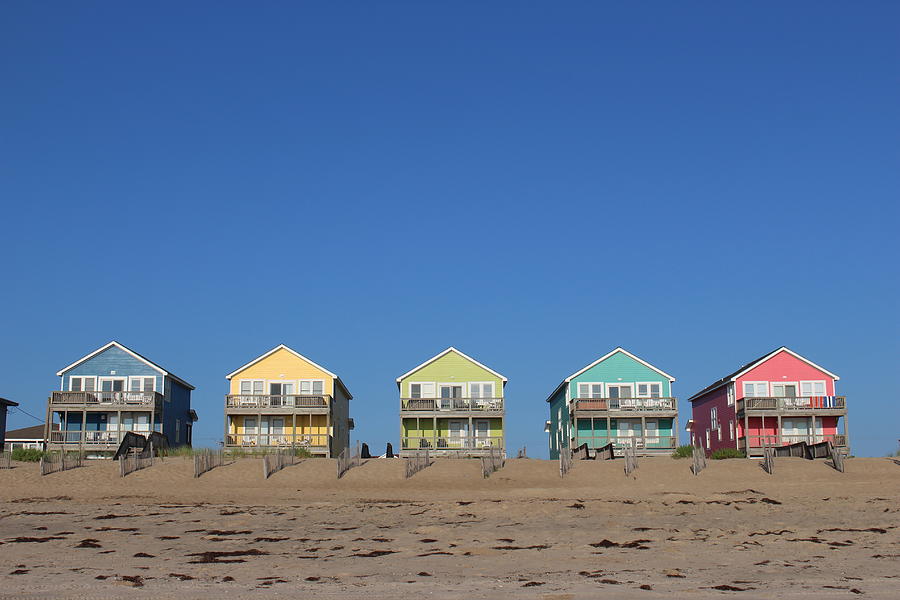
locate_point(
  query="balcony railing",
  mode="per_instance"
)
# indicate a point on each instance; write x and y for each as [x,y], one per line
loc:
[479,405]
[625,404]
[90,438]
[808,403]
[292,401]
[758,441]
[106,399]
[647,442]
[439,443]
[267,440]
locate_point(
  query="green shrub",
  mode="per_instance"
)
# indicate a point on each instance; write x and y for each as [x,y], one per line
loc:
[686,451]
[27,454]
[722,453]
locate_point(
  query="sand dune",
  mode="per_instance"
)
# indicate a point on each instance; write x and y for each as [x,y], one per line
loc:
[807,531]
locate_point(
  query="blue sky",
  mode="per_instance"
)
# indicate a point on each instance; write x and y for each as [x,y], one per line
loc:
[532,183]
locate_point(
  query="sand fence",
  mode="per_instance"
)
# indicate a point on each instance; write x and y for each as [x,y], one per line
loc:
[630,459]
[491,462]
[698,459]
[5,460]
[54,462]
[135,461]
[348,459]
[278,460]
[565,461]
[207,460]
[416,462]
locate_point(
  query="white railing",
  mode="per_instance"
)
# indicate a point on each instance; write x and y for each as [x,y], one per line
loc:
[268,440]
[292,401]
[439,443]
[88,438]
[476,405]
[99,398]
[760,441]
[645,442]
[625,404]
[804,403]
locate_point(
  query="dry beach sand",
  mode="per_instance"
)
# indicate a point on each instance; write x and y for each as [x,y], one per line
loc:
[734,531]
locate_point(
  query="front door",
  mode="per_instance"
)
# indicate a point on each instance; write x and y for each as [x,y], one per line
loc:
[459,434]
[109,386]
[282,394]
[617,392]
[651,434]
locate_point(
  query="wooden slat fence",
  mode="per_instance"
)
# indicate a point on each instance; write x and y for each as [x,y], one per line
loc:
[493,461]
[54,462]
[607,452]
[698,457]
[798,450]
[417,461]
[837,458]
[5,460]
[522,453]
[348,459]
[565,461]
[581,453]
[207,460]
[278,460]
[630,459]
[768,463]
[135,461]
[819,450]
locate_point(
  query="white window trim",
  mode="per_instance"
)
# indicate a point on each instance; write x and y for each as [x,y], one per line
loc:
[268,386]
[82,378]
[311,392]
[744,389]
[620,384]
[251,381]
[648,384]
[142,378]
[123,379]
[772,385]
[729,393]
[439,385]
[578,395]
[483,383]
[812,381]
[421,383]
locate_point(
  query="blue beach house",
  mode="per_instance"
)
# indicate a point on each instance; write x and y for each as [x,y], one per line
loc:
[114,390]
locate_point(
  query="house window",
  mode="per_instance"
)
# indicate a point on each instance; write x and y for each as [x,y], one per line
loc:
[481,390]
[619,390]
[312,387]
[730,393]
[756,389]
[784,390]
[812,388]
[590,390]
[421,390]
[714,416]
[251,387]
[142,384]
[82,384]
[707,439]
[649,390]
[731,430]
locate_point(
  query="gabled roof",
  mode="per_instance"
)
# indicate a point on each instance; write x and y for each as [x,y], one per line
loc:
[143,359]
[448,350]
[600,360]
[35,432]
[744,368]
[298,355]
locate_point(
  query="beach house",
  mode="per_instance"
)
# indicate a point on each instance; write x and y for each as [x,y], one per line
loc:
[778,399]
[114,390]
[619,399]
[283,399]
[453,405]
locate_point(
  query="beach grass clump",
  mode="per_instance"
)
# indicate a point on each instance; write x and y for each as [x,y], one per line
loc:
[27,454]
[723,453]
[686,451]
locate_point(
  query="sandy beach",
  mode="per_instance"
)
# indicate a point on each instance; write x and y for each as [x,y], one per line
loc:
[807,531]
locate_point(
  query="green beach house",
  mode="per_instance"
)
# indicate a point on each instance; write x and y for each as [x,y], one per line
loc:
[619,399]
[452,405]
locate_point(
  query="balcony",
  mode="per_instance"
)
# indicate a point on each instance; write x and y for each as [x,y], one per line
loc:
[269,403]
[626,405]
[452,444]
[760,441]
[645,443]
[452,405]
[94,439]
[816,404]
[106,400]
[310,441]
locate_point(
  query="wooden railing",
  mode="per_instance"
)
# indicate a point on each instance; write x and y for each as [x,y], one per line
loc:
[291,401]
[104,399]
[809,403]
[660,442]
[759,441]
[88,438]
[479,405]
[267,440]
[451,443]
[625,404]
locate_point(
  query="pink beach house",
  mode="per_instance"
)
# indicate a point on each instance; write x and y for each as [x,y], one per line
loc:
[779,399]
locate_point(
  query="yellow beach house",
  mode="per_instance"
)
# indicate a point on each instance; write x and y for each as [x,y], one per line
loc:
[283,399]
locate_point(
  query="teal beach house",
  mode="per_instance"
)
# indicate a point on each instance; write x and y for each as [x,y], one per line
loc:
[619,399]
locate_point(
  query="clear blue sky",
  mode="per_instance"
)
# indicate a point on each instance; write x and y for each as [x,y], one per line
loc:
[532,183]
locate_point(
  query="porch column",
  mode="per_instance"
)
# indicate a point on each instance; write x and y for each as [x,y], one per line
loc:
[779,430]
[846,432]
[83,427]
[434,432]
[608,430]
[746,434]
[471,434]
[644,430]
[227,429]
[675,430]
[258,429]
[293,429]
[329,434]
[119,426]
